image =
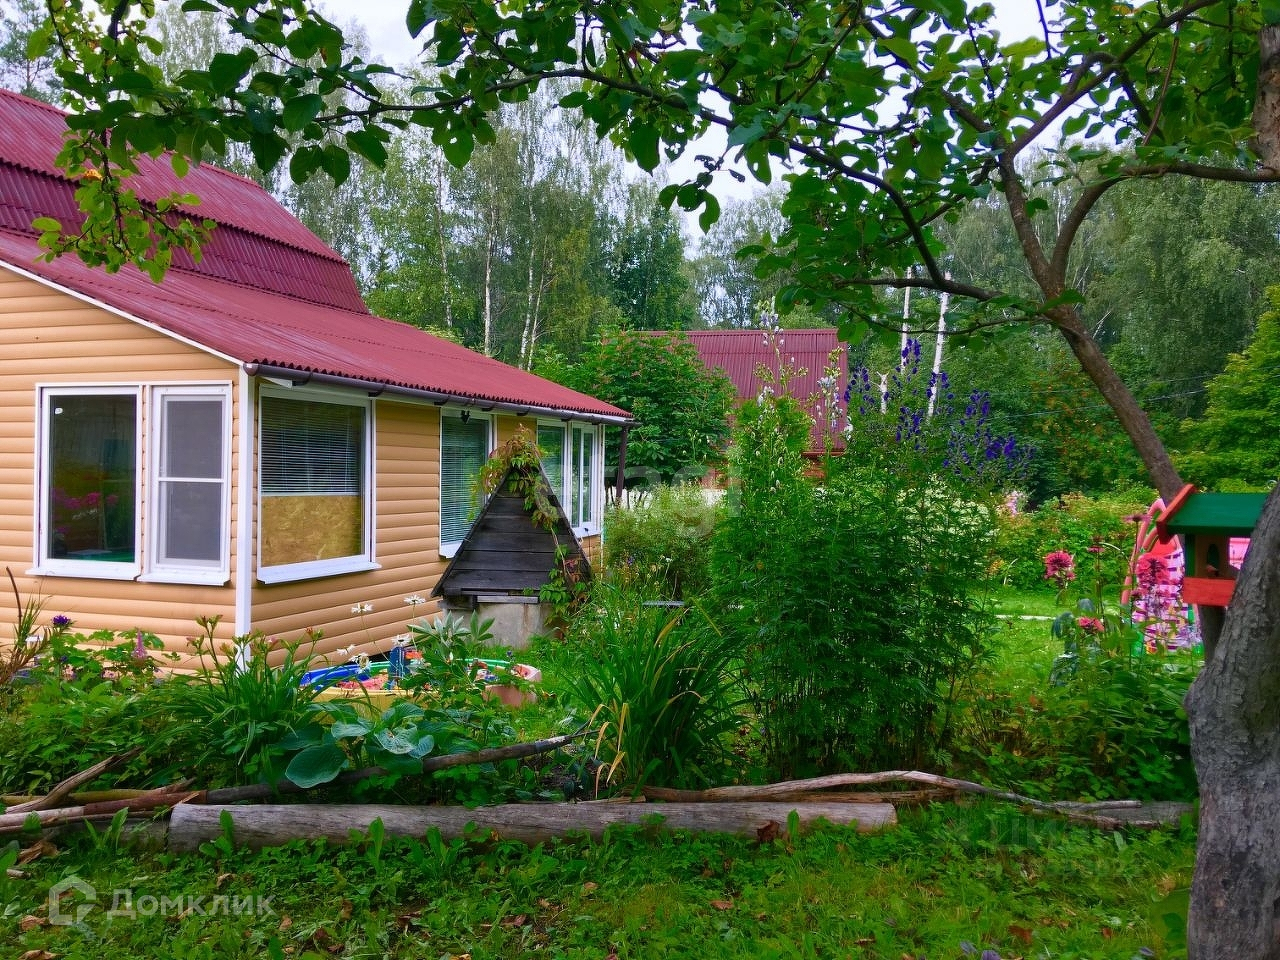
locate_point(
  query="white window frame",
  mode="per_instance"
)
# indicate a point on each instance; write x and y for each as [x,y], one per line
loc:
[572,474]
[311,569]
[46,565]
[449,548]
[189,571]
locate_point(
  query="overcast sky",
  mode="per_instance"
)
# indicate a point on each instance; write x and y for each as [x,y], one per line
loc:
[390,40]
[390,43]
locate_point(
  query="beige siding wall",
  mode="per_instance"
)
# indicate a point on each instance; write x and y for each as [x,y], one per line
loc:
[48,337]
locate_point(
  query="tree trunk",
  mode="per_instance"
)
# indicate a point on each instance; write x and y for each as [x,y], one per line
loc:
[490,243]
[1266,105]
[1234,710]
[1132,417]
[190,825]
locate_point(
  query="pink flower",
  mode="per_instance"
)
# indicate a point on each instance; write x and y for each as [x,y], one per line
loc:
[1059,566]
[1090,624]
[1151,571]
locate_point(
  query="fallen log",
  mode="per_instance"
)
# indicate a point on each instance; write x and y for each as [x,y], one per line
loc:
[69,785]
[11,823]
[190,825]
[1110,814]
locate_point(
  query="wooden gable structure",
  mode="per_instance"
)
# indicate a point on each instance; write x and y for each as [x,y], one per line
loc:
[508,554]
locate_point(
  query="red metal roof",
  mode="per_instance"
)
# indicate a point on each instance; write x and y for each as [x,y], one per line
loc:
[805,353]
[260,327]
[267,292]
[32,133]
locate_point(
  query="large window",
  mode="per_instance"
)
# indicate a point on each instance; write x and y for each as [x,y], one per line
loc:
[580,478]
[570,458]
[464,448]
[90,486]
[313,482]
[93,512]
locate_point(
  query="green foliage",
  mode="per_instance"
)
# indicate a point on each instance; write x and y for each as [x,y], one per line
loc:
[232,717]
[1074,523]
[80,700]
[681,408]
[665,536]
[1237,442]
[343,736]
[1105,722]
[854,603]
[660,685]
[994,875]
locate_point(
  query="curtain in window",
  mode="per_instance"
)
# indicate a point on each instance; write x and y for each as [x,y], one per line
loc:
[312,468]
[464,447]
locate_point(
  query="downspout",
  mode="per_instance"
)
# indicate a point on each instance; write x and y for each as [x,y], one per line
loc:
[246,427]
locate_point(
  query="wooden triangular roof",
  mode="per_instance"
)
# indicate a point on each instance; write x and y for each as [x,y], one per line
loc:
[507,552]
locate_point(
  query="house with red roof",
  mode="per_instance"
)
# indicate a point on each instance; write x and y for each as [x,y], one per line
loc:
[244,440]
[814,363]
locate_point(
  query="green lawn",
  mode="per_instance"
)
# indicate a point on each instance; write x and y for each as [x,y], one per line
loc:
[947,883]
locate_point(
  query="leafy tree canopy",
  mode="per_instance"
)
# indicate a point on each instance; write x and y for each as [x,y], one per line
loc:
[681,408]
[1237,440]
[887,117]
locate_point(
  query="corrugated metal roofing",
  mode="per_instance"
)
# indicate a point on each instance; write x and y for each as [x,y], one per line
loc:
[260,295]
[32,133]
[230,253]
[255,326]
[739,353]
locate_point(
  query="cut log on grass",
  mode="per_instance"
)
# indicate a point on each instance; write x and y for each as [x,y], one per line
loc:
[190,825]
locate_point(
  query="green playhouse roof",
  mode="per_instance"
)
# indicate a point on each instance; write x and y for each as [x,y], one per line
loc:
[1234,514]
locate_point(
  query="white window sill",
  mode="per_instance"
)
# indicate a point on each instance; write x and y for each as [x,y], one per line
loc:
[291,572]
[213,578]
[449,550]
[86,570]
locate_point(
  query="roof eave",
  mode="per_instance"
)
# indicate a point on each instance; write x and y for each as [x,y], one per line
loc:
[377,388]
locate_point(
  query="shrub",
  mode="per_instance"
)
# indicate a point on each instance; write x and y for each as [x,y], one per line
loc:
[1107,723]
[661,685]
[1072,523]
[854,603]
[80,700]
[667,535]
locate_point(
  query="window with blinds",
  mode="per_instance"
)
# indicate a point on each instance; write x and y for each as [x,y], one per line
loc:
[312,470]
[464,448]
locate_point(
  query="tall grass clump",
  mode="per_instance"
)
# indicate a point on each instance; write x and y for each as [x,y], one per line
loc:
[231,717]
[660,681]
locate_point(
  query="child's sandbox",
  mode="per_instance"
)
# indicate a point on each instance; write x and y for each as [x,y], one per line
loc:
[374,682]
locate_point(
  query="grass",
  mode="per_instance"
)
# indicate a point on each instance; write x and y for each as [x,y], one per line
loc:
[947,881]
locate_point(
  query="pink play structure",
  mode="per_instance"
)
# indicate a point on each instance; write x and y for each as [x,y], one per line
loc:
[1153,585]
